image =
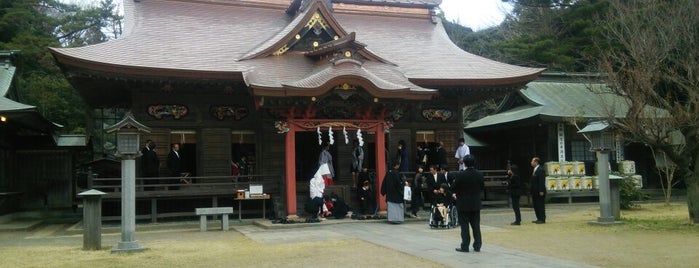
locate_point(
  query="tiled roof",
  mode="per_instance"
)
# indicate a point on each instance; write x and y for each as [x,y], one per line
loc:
[212,40]
[6,74]
[392,2]
[558,102]
[8,105]
[19,114]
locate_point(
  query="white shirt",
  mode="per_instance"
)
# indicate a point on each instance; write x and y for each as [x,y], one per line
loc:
[462,151]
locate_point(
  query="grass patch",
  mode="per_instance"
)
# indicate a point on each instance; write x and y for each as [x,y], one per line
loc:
[215,249]
[652,235]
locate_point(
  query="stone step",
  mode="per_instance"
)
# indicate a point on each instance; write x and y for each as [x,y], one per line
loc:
[19,225]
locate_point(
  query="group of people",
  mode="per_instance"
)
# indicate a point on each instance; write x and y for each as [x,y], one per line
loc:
[322,205]
[462,188]
[537,189]
[464,191]
[150,163]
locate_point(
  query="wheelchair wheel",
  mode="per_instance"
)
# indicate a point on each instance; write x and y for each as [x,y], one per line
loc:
[453,217]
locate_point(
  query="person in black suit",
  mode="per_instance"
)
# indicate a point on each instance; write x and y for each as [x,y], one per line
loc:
[434,180]
[441,154]
[449,177]
[538,190]
[150,163]
[514,185]
[467,188]
[174,161]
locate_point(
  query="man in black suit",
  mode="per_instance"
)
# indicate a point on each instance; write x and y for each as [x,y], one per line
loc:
[538,190]
[150,163]
[441,154]
[434,181]
[174,162]
[467,188]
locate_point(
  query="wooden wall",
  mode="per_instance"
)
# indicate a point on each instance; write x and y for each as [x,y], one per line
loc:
[214,152]
[45,178]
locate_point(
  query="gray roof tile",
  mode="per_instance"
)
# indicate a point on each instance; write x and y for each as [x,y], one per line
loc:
[213,38]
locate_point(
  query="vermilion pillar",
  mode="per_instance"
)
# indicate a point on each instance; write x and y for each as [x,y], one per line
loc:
[290,169]
[380,165]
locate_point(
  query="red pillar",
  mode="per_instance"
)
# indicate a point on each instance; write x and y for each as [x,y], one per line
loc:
[380,165]
[290,169]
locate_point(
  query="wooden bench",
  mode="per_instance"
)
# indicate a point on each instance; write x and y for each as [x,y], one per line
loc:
[203,212]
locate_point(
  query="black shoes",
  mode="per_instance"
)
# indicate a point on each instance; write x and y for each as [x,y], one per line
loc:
[515,223]
[477,249]
[538,222]
[462,250]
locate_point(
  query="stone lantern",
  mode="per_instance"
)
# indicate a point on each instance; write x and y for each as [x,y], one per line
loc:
[602,142]
[128,130]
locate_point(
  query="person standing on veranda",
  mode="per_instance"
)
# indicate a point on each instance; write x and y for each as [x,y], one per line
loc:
[326,158]
[441,154]
[402,155]
[462,151]
[357,161]
[150,164]
[421,155]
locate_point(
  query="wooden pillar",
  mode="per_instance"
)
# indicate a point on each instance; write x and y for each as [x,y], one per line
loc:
[380,165]
[290,169]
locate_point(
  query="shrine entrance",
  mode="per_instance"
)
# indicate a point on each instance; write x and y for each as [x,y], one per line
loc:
[301,133]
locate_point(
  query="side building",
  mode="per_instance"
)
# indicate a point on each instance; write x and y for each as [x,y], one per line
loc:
[543,119]
[37,166]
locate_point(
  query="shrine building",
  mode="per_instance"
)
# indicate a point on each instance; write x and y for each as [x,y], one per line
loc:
[268,80]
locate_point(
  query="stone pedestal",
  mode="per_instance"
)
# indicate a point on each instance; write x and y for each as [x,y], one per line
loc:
[92,219]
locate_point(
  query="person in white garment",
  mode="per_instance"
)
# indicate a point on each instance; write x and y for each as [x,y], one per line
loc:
[462,151]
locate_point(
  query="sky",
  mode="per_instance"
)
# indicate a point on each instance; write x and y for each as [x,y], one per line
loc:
[475,14]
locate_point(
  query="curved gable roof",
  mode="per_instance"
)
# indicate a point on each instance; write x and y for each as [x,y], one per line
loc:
[226,40]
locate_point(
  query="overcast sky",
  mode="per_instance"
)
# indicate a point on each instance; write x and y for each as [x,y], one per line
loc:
[476,14]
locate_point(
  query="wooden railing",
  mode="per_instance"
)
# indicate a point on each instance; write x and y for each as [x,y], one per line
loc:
[199,189]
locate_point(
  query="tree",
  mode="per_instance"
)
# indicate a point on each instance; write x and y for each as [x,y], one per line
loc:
[31,26]
[556,35]
[649,54]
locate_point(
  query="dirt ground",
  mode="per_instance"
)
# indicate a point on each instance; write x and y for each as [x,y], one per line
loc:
[652,236]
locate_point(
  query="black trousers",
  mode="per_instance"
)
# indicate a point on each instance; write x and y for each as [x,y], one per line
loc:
[416,201]
[515,207]
[539,208]
[473,219]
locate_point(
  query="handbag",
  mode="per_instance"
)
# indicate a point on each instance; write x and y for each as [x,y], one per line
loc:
[407,193]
